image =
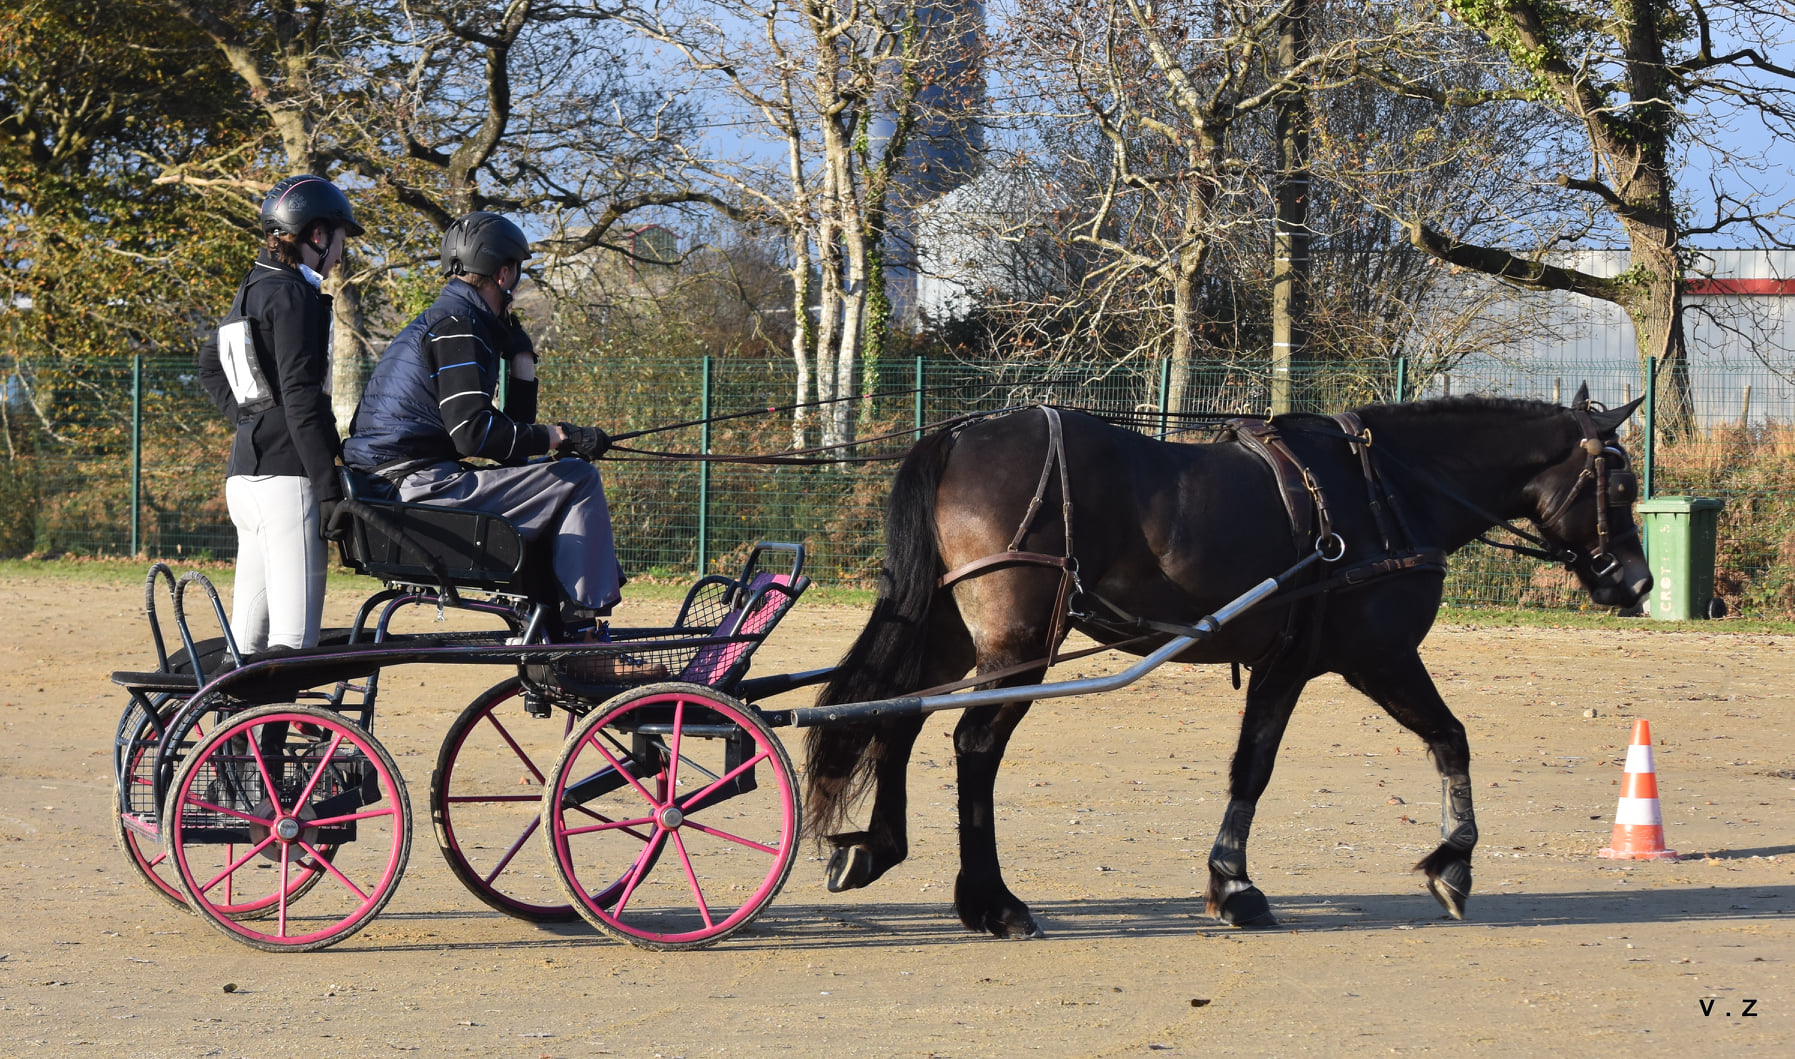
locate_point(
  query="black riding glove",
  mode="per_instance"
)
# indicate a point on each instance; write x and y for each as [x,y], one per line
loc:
[586,442]
[328,524]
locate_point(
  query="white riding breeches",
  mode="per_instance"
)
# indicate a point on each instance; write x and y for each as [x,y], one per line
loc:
[279,598]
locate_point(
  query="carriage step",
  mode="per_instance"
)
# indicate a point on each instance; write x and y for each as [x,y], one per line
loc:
[144,825]
[154,681]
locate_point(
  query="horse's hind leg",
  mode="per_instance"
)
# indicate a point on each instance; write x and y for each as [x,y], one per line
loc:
[1271,696]
[860,857]
[1405,691]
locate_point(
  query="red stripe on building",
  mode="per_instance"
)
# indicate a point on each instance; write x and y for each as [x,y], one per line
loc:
[1739,286]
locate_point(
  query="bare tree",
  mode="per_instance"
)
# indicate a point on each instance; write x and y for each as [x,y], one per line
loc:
[1641,82]
[836,90]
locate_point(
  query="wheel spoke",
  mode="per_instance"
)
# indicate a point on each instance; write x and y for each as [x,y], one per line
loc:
[727,837]
[332,869]
[649,851]
[231,868]
[369,815]
[512,852]
[625,773]
[721,780]
[679,719]
[336,740]
[285,850]
[685,862]
[268,785]
[239,814]
[505,734]
[626,826]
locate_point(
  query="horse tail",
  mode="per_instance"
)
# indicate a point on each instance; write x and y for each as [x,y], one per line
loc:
[887,658]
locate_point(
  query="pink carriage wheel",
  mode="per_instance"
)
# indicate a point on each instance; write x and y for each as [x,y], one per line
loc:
[137,750]
[672,816]
[486,803]
[262,800]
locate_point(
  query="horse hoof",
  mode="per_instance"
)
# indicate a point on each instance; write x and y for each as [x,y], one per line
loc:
[850,868]
[1009,923]
[1452,888]
[1247,908]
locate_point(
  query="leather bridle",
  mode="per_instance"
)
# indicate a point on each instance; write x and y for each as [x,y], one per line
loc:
[1606,467]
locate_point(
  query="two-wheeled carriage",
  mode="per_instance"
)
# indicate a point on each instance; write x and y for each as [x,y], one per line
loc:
[253,789]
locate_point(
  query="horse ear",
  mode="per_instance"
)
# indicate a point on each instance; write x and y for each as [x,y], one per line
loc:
[1582,397]
[1609,421]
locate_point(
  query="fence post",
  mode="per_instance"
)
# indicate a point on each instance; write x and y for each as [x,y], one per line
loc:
[1651,425]
[704,469]
[1402,379]
[1165,396]
[916,409]
[136,453]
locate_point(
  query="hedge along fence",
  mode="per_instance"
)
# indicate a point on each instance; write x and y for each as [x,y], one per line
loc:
[126,456]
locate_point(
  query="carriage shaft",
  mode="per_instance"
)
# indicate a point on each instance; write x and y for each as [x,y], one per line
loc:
[914,705]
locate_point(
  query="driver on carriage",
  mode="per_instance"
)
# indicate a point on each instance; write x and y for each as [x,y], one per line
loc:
[429,406]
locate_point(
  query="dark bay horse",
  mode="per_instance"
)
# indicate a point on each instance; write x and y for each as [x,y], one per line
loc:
[1170,532]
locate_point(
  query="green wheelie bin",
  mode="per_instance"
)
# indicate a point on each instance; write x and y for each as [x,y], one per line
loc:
[1680,533]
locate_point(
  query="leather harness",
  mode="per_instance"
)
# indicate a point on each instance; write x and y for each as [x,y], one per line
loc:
[1311,526]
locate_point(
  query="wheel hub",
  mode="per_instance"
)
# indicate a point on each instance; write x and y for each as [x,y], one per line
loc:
[286,829]
[669,817]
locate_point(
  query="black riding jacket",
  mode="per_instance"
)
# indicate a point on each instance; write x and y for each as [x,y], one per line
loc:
[290,320]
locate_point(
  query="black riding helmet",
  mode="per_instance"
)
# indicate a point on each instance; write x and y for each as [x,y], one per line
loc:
[298,202]
[480,243]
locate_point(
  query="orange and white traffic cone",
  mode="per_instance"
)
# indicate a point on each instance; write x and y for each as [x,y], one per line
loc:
[1638,822]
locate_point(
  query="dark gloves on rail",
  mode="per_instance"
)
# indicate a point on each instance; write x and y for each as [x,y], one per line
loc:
[334,526]
[586,442]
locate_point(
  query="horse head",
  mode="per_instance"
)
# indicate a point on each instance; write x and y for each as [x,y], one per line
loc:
[1584,505]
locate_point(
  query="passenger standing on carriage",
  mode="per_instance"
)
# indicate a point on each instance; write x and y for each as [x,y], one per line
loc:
[268,370]
[429,405]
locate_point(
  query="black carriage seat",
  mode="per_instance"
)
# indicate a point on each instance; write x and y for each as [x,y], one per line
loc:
[427,544]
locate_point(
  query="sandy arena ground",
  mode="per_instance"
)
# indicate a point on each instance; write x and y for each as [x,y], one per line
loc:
[1106,811]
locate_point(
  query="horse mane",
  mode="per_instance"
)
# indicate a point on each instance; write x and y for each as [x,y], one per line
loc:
[1453,416]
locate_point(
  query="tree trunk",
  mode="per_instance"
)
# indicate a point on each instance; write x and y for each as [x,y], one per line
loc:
[1657,315]
[803,333]
[1290,228]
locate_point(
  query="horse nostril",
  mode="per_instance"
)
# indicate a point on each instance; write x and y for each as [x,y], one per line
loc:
[1642,587]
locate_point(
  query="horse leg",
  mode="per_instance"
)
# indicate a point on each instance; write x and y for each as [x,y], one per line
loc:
[1271,697]
[1407,693]
[861,857]
[982,900]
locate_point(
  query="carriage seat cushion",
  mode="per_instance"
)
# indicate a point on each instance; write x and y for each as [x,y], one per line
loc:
[760,604]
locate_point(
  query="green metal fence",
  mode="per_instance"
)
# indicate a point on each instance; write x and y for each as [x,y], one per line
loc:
[126,456]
